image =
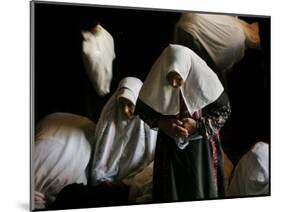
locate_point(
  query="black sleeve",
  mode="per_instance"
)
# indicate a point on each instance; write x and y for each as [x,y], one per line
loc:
[147,114]
[214,116]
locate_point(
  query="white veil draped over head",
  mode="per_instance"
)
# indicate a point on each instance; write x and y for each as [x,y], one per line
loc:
[224,37]
[61,154]
[123,146]
[251,174]
[201,86]
[98,55]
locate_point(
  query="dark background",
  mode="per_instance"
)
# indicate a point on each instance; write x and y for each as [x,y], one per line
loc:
[61,83]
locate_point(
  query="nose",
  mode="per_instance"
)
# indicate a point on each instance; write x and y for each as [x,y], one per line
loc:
[174,83]
[127,111]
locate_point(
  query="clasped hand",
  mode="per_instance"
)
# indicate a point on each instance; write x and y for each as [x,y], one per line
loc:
[178,128]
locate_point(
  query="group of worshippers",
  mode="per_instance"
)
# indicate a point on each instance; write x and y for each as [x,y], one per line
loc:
[156,141]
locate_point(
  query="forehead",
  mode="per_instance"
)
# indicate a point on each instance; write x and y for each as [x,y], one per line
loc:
[123,100]
[174,74]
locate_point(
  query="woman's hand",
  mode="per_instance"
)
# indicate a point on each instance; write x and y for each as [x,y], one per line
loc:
[173,127]
[190,125]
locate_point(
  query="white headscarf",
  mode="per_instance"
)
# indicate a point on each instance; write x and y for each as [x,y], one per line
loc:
[251,175]
[61,154]
[201,86]
[123,146]
[223,36]
[98,55]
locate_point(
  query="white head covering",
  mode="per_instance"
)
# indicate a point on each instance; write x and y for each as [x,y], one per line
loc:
[201,86]
[98,55]
[251,175]
[127,94]
[123,146]
[61,154]
[222,36]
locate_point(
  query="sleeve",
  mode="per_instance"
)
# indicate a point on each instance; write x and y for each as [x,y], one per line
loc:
[214,116]
[147,114]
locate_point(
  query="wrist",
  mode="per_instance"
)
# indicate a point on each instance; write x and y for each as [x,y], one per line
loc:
[198,124]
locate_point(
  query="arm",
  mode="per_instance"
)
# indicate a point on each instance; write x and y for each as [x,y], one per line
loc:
[214,116]
[147,114]
[168,124]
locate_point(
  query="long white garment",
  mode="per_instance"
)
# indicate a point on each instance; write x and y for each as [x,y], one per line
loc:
[201,86]
[123,146]
[98,55]
[224,37]
[251,175]
[61,154]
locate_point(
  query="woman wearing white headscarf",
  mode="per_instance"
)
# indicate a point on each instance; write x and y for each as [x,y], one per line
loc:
[124,144]
[220,40]
[61,154]
[184,98]
[251,175]
[98,55]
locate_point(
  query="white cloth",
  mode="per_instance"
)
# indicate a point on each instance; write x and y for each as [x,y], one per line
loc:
[61,154]
[223,37]
[123,146]
[251,175]
[98,55]
[201,86]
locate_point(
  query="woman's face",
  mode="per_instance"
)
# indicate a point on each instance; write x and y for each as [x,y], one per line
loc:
[127,107]
[174,79]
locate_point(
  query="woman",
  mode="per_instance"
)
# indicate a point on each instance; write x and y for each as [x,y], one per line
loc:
[124,144]
[183,97]
[61,154]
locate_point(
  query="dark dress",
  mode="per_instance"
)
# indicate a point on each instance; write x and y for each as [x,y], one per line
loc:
[195,172]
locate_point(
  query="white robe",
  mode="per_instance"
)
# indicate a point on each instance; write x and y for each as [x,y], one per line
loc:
[98,55]
[224,37]
[251,175]
[123,147]
[60,155]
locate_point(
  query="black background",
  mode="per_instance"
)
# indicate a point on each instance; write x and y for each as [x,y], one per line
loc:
[61,83]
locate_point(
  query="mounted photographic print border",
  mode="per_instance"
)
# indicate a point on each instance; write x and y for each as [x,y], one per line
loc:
[62,84]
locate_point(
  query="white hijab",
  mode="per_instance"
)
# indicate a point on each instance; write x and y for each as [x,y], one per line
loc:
[201,86]
[98,55]
[224,37]
[251,175]
[123,147]
[61,154]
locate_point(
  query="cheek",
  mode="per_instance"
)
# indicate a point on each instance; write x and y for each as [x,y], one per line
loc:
[170,81]
[123,109]
[180,83]
[132,109]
